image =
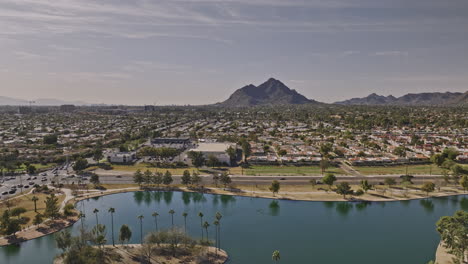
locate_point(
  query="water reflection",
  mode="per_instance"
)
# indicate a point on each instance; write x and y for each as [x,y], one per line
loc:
[362,205]
[405,202]
[168,197]
[464,203]
[274,208]
[186,198]
[428,205]
[226,199]
[138,197]
[343,208]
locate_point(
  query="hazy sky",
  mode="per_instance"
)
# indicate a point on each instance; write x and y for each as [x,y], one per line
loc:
[200,51]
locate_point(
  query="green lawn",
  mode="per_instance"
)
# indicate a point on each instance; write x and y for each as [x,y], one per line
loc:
[38,166]
[400,170]
[289,170]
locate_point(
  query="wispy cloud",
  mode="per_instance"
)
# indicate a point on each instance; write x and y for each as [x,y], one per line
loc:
[391,53]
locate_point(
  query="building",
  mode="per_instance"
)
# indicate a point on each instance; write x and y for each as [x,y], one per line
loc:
[122,157]
[216,149]
[176,143]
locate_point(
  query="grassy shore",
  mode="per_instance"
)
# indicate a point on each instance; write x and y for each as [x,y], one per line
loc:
[400,170]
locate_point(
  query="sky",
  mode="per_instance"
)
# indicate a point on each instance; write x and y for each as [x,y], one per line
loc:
[200,51]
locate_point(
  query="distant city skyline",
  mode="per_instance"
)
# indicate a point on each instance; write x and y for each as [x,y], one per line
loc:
[200,51]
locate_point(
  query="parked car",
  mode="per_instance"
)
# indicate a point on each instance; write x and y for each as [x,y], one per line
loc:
[12,191]
[28,179]
[4,193]
[31,183]
[34,178]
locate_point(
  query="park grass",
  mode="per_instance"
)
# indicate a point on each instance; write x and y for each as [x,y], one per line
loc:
[38,166]
[290,170]
[143,167]
[400,170]
[28,204]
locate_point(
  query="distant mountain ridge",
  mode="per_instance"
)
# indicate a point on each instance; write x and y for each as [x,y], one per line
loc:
[436,98]
[271,92]
[4,100]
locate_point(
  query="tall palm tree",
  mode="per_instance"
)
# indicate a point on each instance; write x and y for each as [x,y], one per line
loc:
[81,216]
[172,212]
[185,221]
[200,214]
[206,225]
[141,227]
[276,256]
[96,211]
[218,217]
[112,211]
[35,199]
[216,224]
[155,215]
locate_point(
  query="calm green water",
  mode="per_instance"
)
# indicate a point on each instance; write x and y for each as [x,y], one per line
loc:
[252,228]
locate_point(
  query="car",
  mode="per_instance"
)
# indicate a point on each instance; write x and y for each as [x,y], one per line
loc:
[20,185]
[282,179]
[13,187]
[28,179]
[26,186]
[31,183]
[42,174]
[34,178]
[44,179]
[12,191]
[119,176]
[4,193]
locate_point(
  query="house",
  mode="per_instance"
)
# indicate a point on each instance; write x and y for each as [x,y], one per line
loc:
[216,149]
[122,157]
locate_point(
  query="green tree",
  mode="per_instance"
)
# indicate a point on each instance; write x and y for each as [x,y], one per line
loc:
[31,169]
[147,177]
[276,256]
[138,177]
[437,159]
[50,139]
[212,161]
[428,187]
[18,211]
[390,182]
[184,214]
[35,199]
[52,207]
[206,225]
[63,239]
[196,179]
[225,179]
[38,219]
[98,155]
[172,212]
[197,158]
[232,153]
[95,212]
[453,232]
[167,178]
[464,182]
[157,178]
[80,164]
[274,187]
[155,215]
[140,217]
[125,234]
[324,165]
[112,211]
[99,235]
[186,179]
[365,185]
[313,183]
[344,189]
[95,179]
[200,214]
[329,179]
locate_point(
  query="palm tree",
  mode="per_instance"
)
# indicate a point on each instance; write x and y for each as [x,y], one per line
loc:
[112,211]
[200,214]
[155,215]
[276,256]
[216,223]
[81,216]
[96,211]
[35,199]
[218,217]
[172,212]
[206,225]
[141,227]
[185,221]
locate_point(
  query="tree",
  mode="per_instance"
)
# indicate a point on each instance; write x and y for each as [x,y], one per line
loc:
[155,215]
[147,177]
[324,165]
[96,211]
[31,169]
[112,211]
[390,182]
[186,179]
[225,179]
[97,155]
[437,159]
[80,164]
[329,179]
[197,158]
[313,183]
[138,177]
[95,179]
[35,199]
[200,214]
[400,151]
[275,187]
[18,211]
[125,234]
[167,178]
[344,189]
[37,219]
[428,187]
[50,139]
[99,235]
[276,256]
[216,178]
[140,217]
[365,185]
[206,225]
[157,178]
[218,217]
[63,239]
[172,212]
[52,207]
[232,153]
[453,232]
[246,149]
[464,182]
[212,161]
[196,179]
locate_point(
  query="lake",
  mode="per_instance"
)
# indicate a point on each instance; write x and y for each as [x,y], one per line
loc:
[252,228]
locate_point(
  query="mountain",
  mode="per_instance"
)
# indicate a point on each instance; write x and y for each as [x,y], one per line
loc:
[271,92]
[41,101]
[446,98]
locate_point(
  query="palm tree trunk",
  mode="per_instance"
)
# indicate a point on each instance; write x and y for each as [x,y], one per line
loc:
[112,226]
